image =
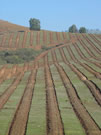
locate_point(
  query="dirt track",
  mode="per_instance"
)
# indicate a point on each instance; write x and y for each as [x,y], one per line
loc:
[54,122]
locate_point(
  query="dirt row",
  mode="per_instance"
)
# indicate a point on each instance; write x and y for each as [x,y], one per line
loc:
[19,121]
[95,39]
[54,122]
[93,89]
[64,35]
[44,37]
[87,122]
[91,44]
[51,37]
[24,39]
[8,92]
[88,68]
[7,74]
[31,38]
[10,40]
[17,40]
[38,38]
[82,56]
[90,52]
[3,41]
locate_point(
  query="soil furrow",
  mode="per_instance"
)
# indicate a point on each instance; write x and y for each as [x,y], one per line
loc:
[87,122]
[84,57]
[91,54]
[51,37]
[44,37]
[17,40]
[19,122]
[91,44]
[64,35]
[54,122]
[10,40]
[93,89]
[24,39]
[95,73]
[58,36]
[8,92]
[95,39]
[31,38]
[3,40]
[38,38]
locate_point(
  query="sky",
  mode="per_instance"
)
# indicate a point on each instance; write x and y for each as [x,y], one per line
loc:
[56,15]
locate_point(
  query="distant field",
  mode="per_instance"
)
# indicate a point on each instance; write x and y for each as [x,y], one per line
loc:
[32,39]
[59,92]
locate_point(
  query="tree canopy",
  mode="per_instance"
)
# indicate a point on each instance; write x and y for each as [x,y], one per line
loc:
[73,29]
[82,30]
[34,24]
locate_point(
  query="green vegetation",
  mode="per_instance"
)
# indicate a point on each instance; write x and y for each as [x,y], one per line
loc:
[7,113]
[37,115]
[82,30]
[18,56]
[73,29]
[71,123]
[34,24]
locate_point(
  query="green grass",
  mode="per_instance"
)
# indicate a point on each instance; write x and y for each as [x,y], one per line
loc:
[27,44]
[95,44]
[34,38]
[84,71]
[61,36]
[75,52]
[58,55]
[37,116]
[83,50]
[85,96]
[71,123]
[89,46]
[7,40]
[66,53]
[7,113]
[18,56]
[5,85]
[41,37]
[20,39]
[93,66]
[14,39]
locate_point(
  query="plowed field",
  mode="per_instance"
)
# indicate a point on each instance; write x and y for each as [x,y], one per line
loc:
[58,93]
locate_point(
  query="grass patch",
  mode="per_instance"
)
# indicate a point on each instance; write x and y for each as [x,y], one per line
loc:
[85,96]
[7,113]
[71,123]
[19,56]
[37,115]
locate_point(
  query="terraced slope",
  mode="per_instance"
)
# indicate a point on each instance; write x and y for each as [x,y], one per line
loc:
[59,93]
[32,39]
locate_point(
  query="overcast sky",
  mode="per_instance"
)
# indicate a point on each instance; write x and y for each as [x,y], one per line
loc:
[55,15]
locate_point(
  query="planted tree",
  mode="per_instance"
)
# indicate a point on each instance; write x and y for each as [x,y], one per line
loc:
[73,29]
[34,24]
[82,30]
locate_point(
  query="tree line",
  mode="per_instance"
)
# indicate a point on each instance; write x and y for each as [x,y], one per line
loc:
[73,29]
[35,25]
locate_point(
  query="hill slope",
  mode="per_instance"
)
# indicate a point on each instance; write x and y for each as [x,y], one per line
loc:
[59,92]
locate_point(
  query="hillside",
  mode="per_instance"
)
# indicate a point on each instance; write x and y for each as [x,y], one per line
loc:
[58,92]
[6,26]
